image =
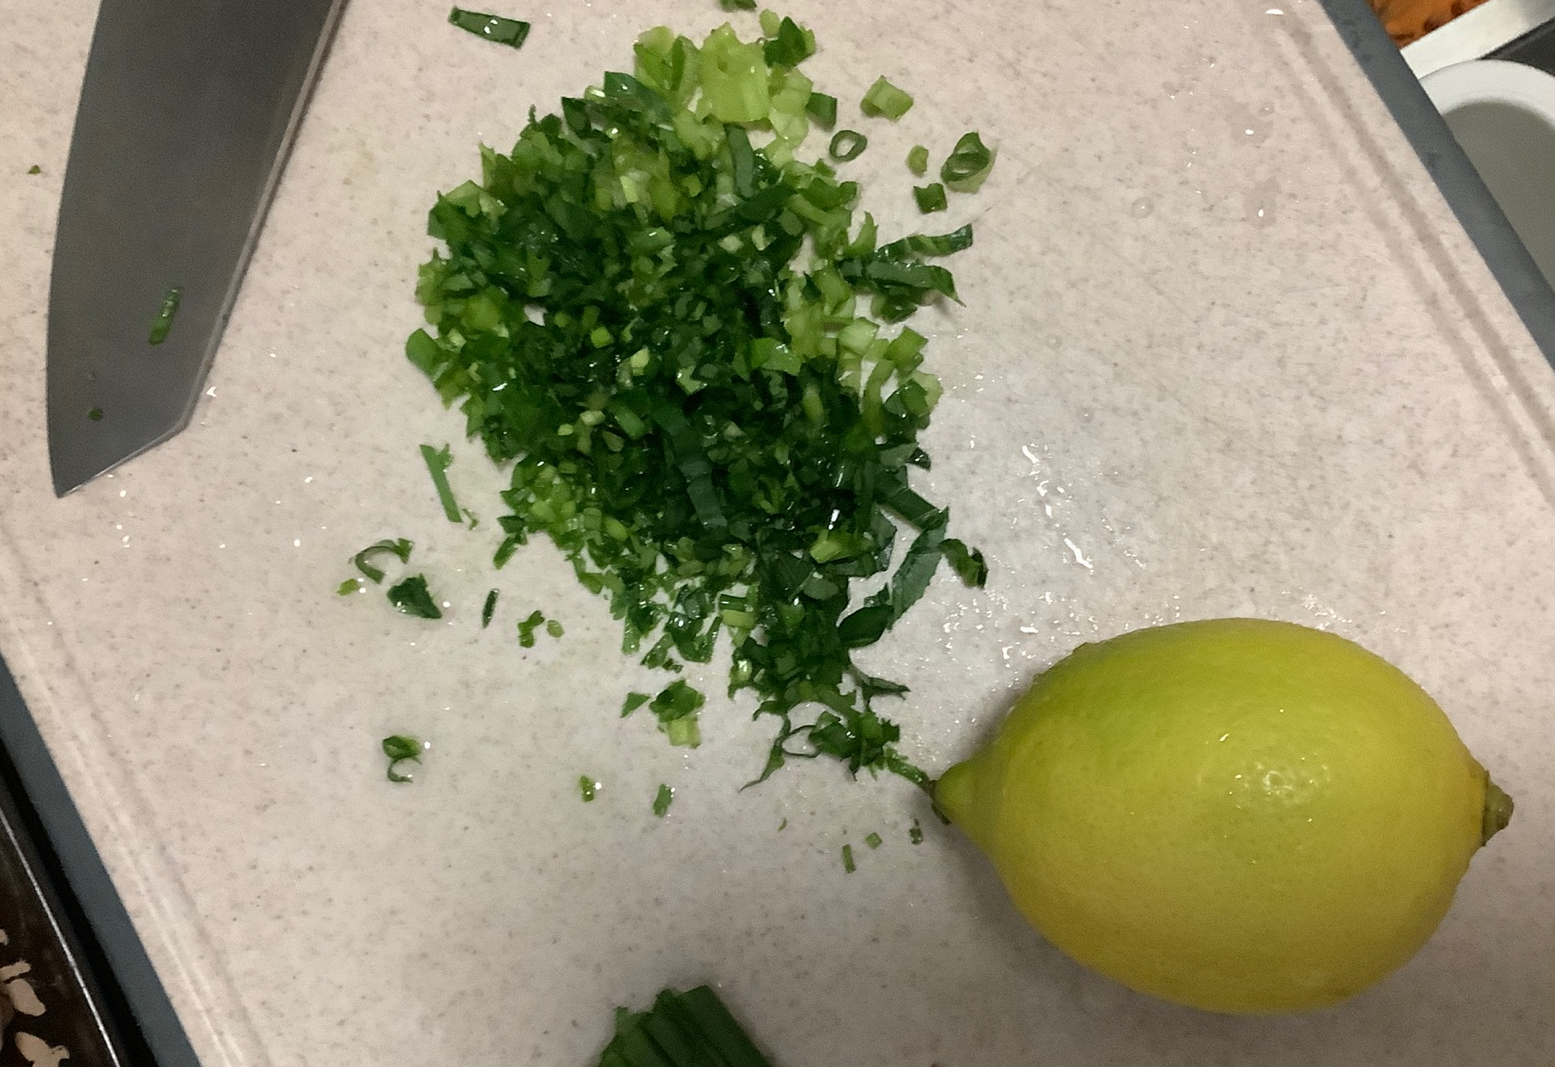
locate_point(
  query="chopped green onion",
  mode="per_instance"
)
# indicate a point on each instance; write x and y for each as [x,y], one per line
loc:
[873,840]
[822,108]
[690,1029]
[915,834]
[662,799]
[471,519]
[790,46]
[527,628]
[438,461]
[885,99]
[676,708]
[399,547]
[737,5]
[918,160]
[930,197]
[587,787]
[632,702]
[400,748]
[164,320]
[35,169]
[554,628]
[489,608]
[510,32]
[783,825]
[847,859]
[847,145]
[95,414]
[413,598]
[967,165]
[349,586]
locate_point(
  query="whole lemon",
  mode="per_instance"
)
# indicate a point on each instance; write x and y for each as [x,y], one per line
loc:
[1238,815]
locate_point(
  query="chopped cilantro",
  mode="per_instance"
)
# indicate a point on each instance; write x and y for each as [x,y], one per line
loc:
[662,799]
[527,628]
[438,461]
[413,598]
[679,339]
[399,547]
[510,32]
[400,748]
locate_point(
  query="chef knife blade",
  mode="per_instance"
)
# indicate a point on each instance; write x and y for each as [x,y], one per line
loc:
[186,114]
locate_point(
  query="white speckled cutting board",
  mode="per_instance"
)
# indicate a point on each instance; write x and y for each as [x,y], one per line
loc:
[1224,351]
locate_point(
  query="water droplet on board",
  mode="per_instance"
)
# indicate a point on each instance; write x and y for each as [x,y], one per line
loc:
[1259,203]
[1142,208]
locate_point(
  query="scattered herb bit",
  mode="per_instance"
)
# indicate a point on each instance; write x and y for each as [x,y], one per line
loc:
[885,100]
[95,414]
[527,628]
[349,586]
[632,702]
[873,840]
[737,5]
[915,833]
[967,165]
[689,1029]
[164,320]
[505,552]
[489,608]
[930,197]
[510,32]
[471,519]
[847,145]
[918,160]
[554,628]
[399,748]
[412,597]
[783,825]
[791,45]
[35,169]
[438,461]
[587,787]
[676,707]
[398,547]
[677,337]
[967,563]
[847,859]
[822,108]
[662,799]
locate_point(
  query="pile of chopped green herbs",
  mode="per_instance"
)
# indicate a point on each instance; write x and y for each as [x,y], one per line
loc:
[680,336]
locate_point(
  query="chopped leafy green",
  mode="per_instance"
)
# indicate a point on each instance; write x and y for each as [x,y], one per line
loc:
[349,586]
[95,414]
[930,197]
[413,598]
[489,608]
[967,165]
[873,840]
[885,100]
[737,5]
[510,32]
[438,461]
[822,108]
[847,859]
[918,160]
[783,825]
[915,834]
[399,547]
[164,320]
[587,787]
[632,702]
[527,628]
[662,799]
[690,1029]
[35,169]
[676,707]
[400,748]
[677,336]
[967,563]
[847,145]
[471,519]
[554,628]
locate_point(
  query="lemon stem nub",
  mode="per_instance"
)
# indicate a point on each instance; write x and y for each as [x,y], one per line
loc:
[1498,811]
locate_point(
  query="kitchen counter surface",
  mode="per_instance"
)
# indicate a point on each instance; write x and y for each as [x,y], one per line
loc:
[1225,351]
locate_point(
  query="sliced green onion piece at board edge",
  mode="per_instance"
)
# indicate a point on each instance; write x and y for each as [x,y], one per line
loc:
[495,28]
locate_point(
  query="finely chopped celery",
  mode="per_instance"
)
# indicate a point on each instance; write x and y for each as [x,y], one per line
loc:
[677,332]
